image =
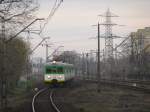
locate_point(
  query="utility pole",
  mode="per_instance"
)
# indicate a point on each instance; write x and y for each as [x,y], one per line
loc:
[98,60]
[4,42]
[83,66]
[4,75]
[98,57]
[46,45]
[28,64]
[87,65]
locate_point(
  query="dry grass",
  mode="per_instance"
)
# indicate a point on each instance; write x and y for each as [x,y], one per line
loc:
[110,99]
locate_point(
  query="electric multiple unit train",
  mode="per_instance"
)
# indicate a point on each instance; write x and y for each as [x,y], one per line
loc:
[58,72]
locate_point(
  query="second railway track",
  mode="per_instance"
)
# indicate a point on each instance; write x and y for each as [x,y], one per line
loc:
[43,101]
[131,84]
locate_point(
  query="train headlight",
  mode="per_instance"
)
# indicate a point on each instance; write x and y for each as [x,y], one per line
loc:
[49,77]
[54,62]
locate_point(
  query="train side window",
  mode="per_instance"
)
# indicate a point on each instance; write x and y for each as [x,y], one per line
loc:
[66,71]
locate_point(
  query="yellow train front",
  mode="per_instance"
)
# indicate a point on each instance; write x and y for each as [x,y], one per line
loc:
[58,72]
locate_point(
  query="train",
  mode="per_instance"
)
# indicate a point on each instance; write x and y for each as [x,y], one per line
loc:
[58,72]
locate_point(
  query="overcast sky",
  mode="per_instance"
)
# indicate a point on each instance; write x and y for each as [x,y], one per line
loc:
[71,24]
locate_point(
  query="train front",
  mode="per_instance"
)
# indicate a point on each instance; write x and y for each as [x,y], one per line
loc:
[54,74]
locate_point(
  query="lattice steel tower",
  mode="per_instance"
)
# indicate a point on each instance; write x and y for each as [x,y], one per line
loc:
[108,34]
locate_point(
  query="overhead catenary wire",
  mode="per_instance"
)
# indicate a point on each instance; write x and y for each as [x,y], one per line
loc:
[51,14]
[71,41]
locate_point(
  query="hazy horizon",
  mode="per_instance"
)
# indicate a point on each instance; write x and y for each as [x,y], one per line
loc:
[71,24]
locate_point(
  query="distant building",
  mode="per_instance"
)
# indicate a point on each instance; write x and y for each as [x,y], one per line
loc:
[140,54]
[38,65]
[141,40]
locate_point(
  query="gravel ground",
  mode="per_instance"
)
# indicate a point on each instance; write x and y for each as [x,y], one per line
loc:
[22,102]
[110,99]
[42,102]
[62,97]
[81,97]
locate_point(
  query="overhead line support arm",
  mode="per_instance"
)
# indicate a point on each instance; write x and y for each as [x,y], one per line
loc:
[23,29]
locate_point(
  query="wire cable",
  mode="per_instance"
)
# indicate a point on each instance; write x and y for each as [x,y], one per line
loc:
[51,14]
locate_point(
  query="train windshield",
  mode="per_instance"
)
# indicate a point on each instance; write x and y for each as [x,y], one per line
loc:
[54,70]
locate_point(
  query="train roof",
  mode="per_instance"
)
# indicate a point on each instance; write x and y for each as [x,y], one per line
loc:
[58,63]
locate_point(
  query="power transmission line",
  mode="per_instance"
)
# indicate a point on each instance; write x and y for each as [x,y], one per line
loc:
[51,14]
[72,41]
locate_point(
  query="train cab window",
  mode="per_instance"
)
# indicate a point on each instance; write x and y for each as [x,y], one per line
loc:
[60,70]
[54,71]
[48,70]
[51,70]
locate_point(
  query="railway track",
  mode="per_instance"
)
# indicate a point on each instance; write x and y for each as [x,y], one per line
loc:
[43,101]
[143,86]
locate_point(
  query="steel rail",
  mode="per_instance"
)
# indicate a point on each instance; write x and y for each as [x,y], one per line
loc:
[33,101]
[52,102]
[130,85]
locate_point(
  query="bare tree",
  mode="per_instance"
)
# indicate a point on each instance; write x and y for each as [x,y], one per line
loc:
[17,13]
[14,14]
